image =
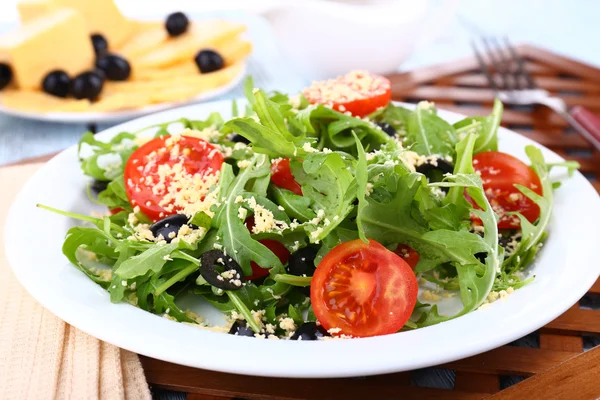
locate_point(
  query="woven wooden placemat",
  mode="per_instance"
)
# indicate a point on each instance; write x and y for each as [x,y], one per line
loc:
[558,368]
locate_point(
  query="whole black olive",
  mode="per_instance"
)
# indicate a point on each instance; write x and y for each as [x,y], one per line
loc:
[57,83]
[100,44]
[435,170]
[221,271]
[177,23]
[309,331]
[209,61]
[5,75]
[240,328]
[302,262]
[168,226]
[115,67]
[98,186]
[239,139]
[387,128]
[87,85]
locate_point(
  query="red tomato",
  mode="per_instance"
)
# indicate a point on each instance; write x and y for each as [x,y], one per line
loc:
[117,210]
[357,92]
[408,254]
[281,175]
[363,289]
[499,173]
[280,251]
[157,171]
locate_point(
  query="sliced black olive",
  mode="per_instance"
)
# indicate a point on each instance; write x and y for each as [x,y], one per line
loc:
[302,262]
[5,75]
[169,225]
[214,263]
[387,128]
[177,23]
[57,83]
[434,170]
[87,85]
[240,328]
[309,331]
[100,44]
[239,139]
[115,67]
[209,61]
[99,186]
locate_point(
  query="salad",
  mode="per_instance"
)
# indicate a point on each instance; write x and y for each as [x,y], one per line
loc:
[313,216]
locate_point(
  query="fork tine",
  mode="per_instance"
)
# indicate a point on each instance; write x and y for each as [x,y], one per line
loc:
[484,67]
[510,77]
[521,71]
[497,62]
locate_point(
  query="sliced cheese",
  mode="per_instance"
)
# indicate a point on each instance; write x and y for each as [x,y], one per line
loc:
[185,47]
[233,52]
[32,100]
[194,82]
[102,16]
[58,40]
[144,41]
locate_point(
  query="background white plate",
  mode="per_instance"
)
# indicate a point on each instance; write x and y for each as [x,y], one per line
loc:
[117,116]
[564,270]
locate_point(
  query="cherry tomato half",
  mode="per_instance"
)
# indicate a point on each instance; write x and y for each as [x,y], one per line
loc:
[158,171]
[358,92]
[408,254]
[499,173]
[281,175]
[363,289]
[280,251]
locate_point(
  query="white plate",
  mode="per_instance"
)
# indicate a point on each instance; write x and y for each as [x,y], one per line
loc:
[118,116]
[565,270]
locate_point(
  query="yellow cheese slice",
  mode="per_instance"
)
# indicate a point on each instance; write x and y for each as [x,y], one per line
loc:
[31,100]
[233,52]
[185,47]
[144,41]
[196,82]
[58,40]
[102,16]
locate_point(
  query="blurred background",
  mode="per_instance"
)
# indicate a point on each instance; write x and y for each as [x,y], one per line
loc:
[296,42]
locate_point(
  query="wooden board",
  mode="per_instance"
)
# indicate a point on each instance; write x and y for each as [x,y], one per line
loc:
[557,369]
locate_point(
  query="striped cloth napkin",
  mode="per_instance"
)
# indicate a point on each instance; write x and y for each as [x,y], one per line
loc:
[41,356]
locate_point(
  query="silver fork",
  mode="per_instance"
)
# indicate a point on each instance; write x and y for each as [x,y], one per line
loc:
[513,84]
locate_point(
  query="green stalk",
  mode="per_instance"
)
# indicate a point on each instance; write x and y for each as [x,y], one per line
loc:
[175,278]
[293,279]
[239,304]
[81,217]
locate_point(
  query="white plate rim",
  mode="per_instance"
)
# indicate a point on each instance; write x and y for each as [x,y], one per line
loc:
[123,115]
[429,346]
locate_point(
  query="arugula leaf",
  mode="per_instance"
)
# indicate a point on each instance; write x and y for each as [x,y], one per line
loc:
[533,234]
[486,129]
[326,180]
[236,239]
[362,176]
[395,222]
[428,134]
[295,206]
[393,115]
[151,259]
[115,196]
[93,240]
[338,129]
[107,159]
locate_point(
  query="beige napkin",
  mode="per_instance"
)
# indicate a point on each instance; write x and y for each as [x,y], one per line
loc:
[41,356]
